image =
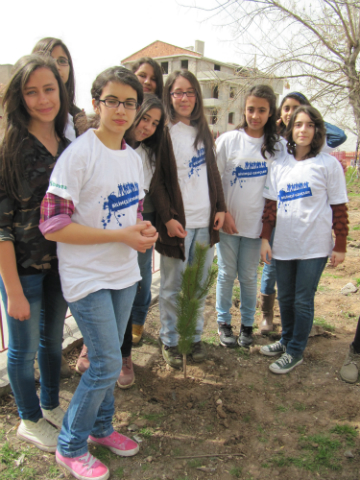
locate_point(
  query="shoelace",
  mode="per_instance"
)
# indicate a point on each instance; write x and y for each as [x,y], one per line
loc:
[275,346]
[284,359]
[88,460]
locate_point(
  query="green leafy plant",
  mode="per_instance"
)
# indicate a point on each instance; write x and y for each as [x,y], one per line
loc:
[192,292]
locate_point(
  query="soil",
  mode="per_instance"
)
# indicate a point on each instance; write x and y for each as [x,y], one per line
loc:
[231,417]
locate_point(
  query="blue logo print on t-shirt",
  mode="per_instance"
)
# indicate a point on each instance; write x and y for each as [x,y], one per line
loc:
[128,194]
[250,169]
[196,162]
[294,191]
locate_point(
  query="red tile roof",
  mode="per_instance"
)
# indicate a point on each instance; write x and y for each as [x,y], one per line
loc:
[160,49]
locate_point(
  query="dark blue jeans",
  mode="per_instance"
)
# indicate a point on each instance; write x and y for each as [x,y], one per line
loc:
[297,284]
[42,333]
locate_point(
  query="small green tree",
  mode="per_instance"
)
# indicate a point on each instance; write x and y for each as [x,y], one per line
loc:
[188,306]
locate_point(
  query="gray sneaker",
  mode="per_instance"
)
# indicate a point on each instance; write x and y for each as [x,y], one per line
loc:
[285,364]
[172,356]
[226,336]
[245,339]
[273,349]
[350,371]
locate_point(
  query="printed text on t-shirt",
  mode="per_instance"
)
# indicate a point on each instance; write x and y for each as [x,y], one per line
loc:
[128,194]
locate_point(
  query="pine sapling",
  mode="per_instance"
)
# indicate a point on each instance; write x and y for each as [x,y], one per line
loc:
[193,291]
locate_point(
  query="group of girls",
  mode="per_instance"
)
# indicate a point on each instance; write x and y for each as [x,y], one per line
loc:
[98,202]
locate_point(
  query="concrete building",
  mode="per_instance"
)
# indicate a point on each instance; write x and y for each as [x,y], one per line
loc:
[223,84]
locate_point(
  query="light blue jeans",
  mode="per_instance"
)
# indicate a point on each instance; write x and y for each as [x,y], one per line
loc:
[297,285]
[170,284]
[102,317]
[42,333]
[237,257]
[268,277]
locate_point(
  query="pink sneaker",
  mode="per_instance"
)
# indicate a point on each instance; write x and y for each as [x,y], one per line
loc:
[117,443]
[84,467]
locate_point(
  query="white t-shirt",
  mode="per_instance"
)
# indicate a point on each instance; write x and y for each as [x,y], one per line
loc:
[192,175]
[147,167]
[105,187]
[304,191]
[70,133]
[243,172]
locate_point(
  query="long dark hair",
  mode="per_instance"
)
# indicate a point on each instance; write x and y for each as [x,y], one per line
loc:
[197,117]
[152,143]
[299,97]
[157,72]
[46,46]
[270,135]
[319,135]
[16,120]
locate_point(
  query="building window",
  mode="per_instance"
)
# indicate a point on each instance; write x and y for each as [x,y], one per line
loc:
[232,92]
[165,67]
[217,67]
[184,64]
[213,117]
[231,118]
[215,92]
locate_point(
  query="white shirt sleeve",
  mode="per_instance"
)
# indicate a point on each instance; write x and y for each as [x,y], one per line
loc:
[336,184]
[270,188]
[69,174]
[221,153]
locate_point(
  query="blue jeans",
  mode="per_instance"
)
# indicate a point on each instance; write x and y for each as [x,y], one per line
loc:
[170,284]
[237,257]
[42,333]
[102,317]
[297,285]
[143,295]
[268,277]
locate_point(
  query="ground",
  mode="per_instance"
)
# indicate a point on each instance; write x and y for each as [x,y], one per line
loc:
[231,418]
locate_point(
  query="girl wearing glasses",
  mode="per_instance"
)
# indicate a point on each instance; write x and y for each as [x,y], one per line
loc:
[90,209]
[60,53]
[189,201]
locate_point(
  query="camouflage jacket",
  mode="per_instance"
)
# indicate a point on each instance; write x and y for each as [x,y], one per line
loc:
[19,221]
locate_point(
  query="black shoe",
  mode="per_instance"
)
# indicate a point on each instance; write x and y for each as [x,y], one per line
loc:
[198,352]
[245,338]
[227,338]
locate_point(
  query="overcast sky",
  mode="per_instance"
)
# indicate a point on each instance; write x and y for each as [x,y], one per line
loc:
[99,34]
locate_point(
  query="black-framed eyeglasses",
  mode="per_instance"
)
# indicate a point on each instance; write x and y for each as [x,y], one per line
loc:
[111,103]
[62,61]
[189,94]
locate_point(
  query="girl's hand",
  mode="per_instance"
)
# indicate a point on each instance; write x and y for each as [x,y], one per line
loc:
[175,229]
[337,258]
[18,306]
[265,252]
[134,238]
[229,224]
[149,231]
[219,220]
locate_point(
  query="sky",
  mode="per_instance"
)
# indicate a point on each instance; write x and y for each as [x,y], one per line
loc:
[101,34]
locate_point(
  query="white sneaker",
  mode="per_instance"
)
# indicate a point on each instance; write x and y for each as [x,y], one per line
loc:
[55,416]
[43,435]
